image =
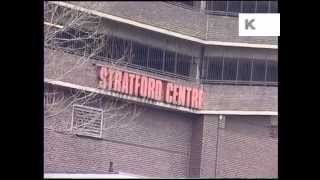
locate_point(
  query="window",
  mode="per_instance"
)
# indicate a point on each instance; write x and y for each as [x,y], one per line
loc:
[259,70]
[216,5]
[139,54]
[188,3]
[230,69]
[169,61]
[214,68]
[183,64]
[155,58]
[273,7]
[87,121]
[234,6]
[117,48]
[248,6]
[244,69]
[262,6]
[272,71]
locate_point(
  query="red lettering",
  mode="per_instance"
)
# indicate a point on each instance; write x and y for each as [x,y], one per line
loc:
[117,83]
[136,85]
[103,77]
[168,95]
[194,101]
[144,86]
[188,97]
[131,82]
[151,86]
[111,77]
[124,88]
[158,90]
[182,95]
[175,94]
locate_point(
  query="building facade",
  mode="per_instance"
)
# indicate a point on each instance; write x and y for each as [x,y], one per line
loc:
[161,89]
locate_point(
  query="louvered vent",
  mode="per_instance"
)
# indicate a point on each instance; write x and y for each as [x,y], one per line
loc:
[87,121]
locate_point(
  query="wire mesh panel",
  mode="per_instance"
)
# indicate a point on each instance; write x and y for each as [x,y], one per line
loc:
[87,121]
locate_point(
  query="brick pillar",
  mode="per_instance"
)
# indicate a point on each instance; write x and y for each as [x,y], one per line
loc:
[203,156]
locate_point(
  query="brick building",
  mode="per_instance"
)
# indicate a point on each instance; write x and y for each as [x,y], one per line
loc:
[224,126]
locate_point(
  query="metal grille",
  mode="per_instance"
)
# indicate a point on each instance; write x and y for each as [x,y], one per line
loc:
[87,121]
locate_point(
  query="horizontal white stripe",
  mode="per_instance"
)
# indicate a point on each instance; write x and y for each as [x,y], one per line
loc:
[164,31]
[156,103]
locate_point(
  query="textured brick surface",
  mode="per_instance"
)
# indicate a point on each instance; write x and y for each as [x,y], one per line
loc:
[189,22]
[196,147]
[246,149]
[209,146]
[245,98]
[156,144]
[165,144]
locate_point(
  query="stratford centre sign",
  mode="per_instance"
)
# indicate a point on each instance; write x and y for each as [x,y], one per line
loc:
[133,84]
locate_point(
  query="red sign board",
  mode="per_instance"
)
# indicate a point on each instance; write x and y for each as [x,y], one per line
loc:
[147,87]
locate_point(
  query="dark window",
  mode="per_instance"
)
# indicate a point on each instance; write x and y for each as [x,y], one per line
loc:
[169,61]
[99,48]
[216,5]
[262,6]
[248,6]
[214,68]
[273,7]
[188,3]
[229,69]
[234,6]
[183,64]
[155,58]
[272,71]
[117,48]
[244,69]
[259,70]
[139,54]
